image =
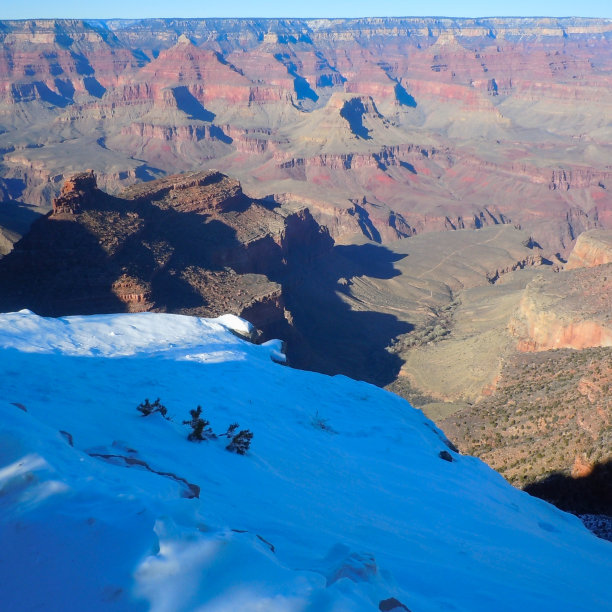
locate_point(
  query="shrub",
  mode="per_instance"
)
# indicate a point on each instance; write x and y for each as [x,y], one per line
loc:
[146,408]
[241,442]
[231,430]
[200,429]
[318,422]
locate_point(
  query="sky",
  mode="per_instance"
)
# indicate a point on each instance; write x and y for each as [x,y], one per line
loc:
[131,9]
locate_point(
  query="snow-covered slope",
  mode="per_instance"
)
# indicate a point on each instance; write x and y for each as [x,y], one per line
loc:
[342,502]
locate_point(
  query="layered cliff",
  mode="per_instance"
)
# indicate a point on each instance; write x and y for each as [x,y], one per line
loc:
[571,310]
[435,123]
[592,248]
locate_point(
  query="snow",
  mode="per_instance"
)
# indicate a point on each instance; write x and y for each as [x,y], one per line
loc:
[236,324]
[313,518]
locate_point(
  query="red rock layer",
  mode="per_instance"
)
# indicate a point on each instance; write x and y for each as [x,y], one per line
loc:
[593,248]
[438,124]
[189,243]
[569,311]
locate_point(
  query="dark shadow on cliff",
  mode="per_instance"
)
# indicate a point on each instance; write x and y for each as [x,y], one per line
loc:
[17,217]
[49,269]
[300,84]
[591,494]
[49,96]
[403,97]
[191,245]
[331,337]
[153,255]
[186,102]
[94,87]
[353,111]
[365,224]
[68,265]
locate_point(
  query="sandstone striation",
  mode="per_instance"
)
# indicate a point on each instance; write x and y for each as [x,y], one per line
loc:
[571,310]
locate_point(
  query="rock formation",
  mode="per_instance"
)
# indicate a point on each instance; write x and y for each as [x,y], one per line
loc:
[76,192]
[593,248]
[570,310]
[423,119]
[192,243]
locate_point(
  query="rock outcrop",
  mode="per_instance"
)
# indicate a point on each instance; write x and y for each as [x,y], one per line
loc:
[76,192]
[571,310]
[190,243]
[593,248]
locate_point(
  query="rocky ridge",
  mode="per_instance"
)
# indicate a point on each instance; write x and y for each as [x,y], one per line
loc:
[547,415]
[192,244]
[550,413]
[571,310]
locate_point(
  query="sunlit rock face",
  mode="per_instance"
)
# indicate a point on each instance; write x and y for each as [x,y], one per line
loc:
[593,248]
[192,243]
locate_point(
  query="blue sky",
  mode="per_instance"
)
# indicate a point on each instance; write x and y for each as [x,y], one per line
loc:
[10,9]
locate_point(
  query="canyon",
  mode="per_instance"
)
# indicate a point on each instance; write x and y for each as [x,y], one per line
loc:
[508,352]
[386,128]
[421,203]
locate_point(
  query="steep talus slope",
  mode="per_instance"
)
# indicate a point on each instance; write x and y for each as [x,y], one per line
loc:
[551,412]
[347,499]
[463,360]
[548,411]
[388,127]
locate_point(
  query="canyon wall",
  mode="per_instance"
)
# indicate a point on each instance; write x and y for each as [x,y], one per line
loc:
[570,310]
[593,248]
[386,127]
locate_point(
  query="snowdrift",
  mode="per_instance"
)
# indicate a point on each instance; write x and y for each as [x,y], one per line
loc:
[347,500]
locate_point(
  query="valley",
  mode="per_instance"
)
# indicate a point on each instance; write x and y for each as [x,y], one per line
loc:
[424,204]
[385,128]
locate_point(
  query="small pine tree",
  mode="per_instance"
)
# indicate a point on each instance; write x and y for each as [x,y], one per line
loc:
[147,408]
[231,430]
[200,427]
[319,422]
[240,442]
